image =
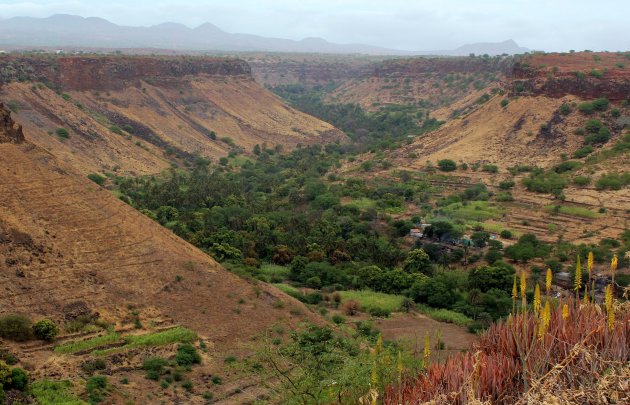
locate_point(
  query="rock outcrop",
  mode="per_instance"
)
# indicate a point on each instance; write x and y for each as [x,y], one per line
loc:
[10,132]
[102,73]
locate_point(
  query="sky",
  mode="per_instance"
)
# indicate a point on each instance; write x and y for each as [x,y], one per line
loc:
[549,25]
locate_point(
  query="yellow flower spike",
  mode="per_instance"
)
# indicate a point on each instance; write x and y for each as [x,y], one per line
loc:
[578,275]
[611,319]
[565,312]
[379,345]
[514,289]
[608,297]
[546,315]
[374,378]
[613,266]
[523,283]
[537,299]
[426,351]
[589,264]
[548,278]
[586,300]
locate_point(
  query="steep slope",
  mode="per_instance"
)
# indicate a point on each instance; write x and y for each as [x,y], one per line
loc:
[137,114]
[425,82]
[66,242]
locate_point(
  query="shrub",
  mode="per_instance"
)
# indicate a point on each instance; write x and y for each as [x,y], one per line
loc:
[613,181]
[5,374]
[351,307]
[96,178]
[593,126]
[504,102]
[505,197]
[506,234]
[16,327]
[549,182]
[45,329]
[338,319]
[490,168]
[187,355]
[601,104]
[565,109]
[567,166]
[63,133]
[19,379]
[602,136]
[447,165]
[586,108]
[506,185]
[90,366]
[581,180]
[96,387]
[583,152]
[154,367]
[187,385]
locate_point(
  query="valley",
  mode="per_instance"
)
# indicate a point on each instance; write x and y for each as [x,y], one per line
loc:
[292,228]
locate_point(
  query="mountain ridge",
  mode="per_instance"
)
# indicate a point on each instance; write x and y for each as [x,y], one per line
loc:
[97,32]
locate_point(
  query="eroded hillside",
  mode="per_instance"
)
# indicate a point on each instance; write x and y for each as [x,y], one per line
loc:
[137,114]
[71,250]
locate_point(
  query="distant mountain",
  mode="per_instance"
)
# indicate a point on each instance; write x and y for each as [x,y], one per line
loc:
[64,30]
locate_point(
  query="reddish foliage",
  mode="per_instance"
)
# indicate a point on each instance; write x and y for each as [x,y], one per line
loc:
[499,375]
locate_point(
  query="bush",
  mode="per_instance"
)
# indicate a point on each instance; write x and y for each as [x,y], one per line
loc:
[601,104]
[19,379]
[602,136]
[90,366]
[490,168]
[96,178]
[506,234]
[506,185]
[154,366]
[62,133]
[504,102]
[592,126]
[586,108]
[565,109]
[549,182]
[566,166]
[351,307]
[338,319]
[583,152]
[45,329]
[187,355]
[613,181]
[447,165]
[96,387]
[16,327]
[581,180]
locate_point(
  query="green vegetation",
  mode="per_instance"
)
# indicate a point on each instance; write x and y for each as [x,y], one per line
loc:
[447,165]
[175,335]
[97,178]
[48,392]
[371,301]
[444,315]
[573,211]
[62,133]
[87,344]
[16,327]
[45,329]
[613,181]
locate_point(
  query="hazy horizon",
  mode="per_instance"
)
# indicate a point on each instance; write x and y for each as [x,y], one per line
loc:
[397,24]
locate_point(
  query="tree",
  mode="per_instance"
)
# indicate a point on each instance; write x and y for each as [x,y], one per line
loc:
[480,238]
[418,261]
[45,329]
[499,276]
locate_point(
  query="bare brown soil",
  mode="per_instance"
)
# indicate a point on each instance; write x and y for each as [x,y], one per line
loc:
[141,120]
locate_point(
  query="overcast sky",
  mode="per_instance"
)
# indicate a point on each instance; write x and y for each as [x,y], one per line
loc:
[551,25]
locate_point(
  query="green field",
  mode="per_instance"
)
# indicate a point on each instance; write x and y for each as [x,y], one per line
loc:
[444,315]
[80,345]
[362,203]
[473,211]
[175,335]
[573,211]
[370,300]
[274,271]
